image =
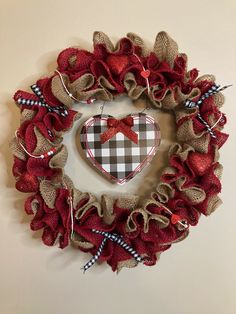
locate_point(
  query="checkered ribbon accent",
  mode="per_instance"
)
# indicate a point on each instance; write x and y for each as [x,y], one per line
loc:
[120,159]
[191,104]
[60,110]
[114,238]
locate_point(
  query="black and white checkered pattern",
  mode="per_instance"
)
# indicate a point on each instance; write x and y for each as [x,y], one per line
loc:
[60,110]
[214,89]
[114,237]
[120,159]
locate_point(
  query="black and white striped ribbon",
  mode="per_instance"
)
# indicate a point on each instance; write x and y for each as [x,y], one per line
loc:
[192,104]
[60,110]
[115,238]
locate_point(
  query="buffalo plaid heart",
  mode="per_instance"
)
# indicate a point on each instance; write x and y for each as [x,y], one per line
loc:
[120,158]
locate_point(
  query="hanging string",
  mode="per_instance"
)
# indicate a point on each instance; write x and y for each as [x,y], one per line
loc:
[41,156]
[175,219]
[89,101]
[102,108]
[192,104]
[145,73]
[70,199]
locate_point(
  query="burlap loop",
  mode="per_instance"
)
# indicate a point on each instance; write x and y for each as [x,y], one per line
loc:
[181,97]
[128,201]
[169,102]
[134,90]
[80,89]
[97,93]
[68,183]
[82,83]
[146,217]
[185,132]
[81,242]
[59,159]
[107,204]
[180,150]
[218,171]
[165,48]
[172,99]
[206,77]
[100,38]
[26,115]
[219,99]
[201,143]
[34,206]
[48,191]
[43,144]
[104,83]
[164,192]
[59,92]
[17,149]
[131,224]
[213,203]
[194,194]
[91,202]
[129,263]
[138,41]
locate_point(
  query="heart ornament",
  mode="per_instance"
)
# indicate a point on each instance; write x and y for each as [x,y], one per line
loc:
[120,149]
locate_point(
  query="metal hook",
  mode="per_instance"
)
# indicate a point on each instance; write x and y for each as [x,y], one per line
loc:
[102,107]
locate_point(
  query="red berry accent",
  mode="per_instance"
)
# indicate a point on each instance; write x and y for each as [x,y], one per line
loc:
[145,73]
[199,162]
[117,63]
[175,219]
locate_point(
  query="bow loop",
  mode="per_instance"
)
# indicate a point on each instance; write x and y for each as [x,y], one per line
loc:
[128,120]
[115,126]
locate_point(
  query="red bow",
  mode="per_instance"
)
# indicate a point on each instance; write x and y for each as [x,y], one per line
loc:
[115,126]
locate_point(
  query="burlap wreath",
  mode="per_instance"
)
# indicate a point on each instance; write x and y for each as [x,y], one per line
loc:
[189,185]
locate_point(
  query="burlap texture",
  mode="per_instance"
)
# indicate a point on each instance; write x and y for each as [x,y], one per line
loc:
[107,204]
[194,194]
[48,191]
[17,149]
[165,48]
[179,150]
[101,38]
[43,144]
[134,90]
[164,191]
[128,201]
[214,201]
[26,114]
[59,91]
[139,42]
